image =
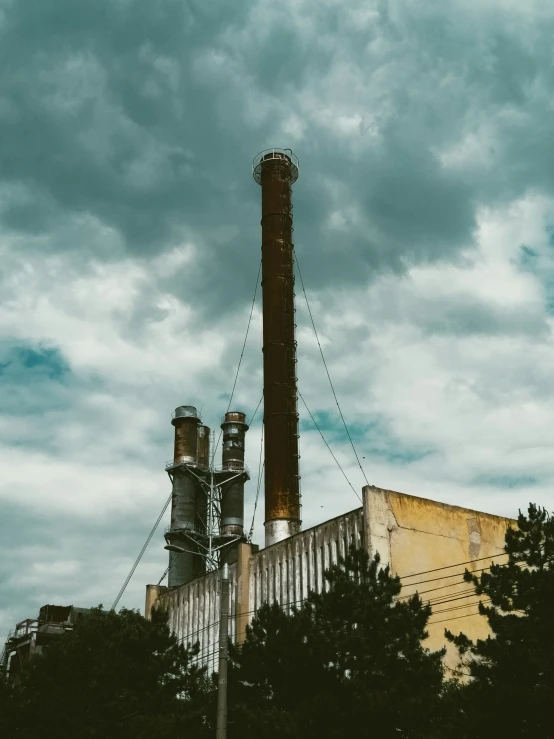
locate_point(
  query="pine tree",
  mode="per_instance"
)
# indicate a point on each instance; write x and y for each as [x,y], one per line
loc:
[350,657]
[115,675]
[512,686]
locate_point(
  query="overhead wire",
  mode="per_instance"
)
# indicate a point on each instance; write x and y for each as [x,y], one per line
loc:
[430,590]
[438,601]
[241,355]
[146,543]
[166,572]
[252,419]
[457,564]
[172,557]
[212,625]
[259,484]
[459,608]
[327,370]
[454,618]
[442,577]
[328,447]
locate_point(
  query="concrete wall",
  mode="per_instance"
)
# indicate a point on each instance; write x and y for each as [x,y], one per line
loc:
[194,608]
[428,544]
[287,571]
[421,540]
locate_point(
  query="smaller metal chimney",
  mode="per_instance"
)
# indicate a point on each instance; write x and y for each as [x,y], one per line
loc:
[186,420]
[203,464]
[183,504]
[234,429]
[203,447]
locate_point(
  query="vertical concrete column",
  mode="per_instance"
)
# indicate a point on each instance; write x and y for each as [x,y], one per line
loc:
[243,606]
[153,592]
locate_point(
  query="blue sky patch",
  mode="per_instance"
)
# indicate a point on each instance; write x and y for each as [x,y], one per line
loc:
[371,439]
[506,481]
[23,360]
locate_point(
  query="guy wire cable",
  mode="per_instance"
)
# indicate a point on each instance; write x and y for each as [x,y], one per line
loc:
[260,471]
[327,370]
[146,543]
[328,447]
[241,354]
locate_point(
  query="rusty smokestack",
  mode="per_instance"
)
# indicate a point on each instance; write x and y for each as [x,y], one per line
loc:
[276,170]
[203,447]
[183,503]
[201,508]
[234,428]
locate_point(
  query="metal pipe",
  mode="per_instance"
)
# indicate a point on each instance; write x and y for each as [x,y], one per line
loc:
[201,512]
[234,428]
[183,564]
[221,725]
[186,420]
[203,447]
[276,170]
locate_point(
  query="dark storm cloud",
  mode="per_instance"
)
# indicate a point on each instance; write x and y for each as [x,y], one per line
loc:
[113,109]
[56,50]
[127,128]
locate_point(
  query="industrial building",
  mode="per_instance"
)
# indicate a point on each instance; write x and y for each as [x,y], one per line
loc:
[421,540]
[31,635]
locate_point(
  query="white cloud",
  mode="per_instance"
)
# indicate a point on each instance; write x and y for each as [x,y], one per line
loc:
[128,234]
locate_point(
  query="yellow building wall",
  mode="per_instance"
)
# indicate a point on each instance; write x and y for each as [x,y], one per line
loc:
[429,545]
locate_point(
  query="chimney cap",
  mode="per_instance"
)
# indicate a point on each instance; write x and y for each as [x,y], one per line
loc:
[234,417]
[275,154]
[185,411]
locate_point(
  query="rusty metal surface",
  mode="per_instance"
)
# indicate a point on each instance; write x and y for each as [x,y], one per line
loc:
[282,489]
[186,438]
[234,429]
[184,565]
[203,447]
[58,614]
[185,411]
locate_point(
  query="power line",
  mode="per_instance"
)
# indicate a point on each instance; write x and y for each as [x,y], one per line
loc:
[260,471]
[453,618]
[431,590]
[251,421]
[304,600]
[457,564]
[458,608]
[328,447]
[241,354]
[442,577]
[146,543]
[458,596]
[327,371]
[439,600]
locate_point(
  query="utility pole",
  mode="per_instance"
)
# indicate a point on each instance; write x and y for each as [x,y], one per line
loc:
[221,730]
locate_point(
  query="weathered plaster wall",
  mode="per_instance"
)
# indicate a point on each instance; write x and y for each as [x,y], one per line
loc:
[194,608]
[194,613]
[285,572]
[420,540]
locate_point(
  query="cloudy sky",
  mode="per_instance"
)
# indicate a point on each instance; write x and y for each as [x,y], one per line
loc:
[129,242]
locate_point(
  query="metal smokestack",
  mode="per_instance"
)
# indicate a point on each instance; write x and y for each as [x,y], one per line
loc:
[203,447]
[234,428]
[276,170]
[183,503]
[186,420]
[201,517]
